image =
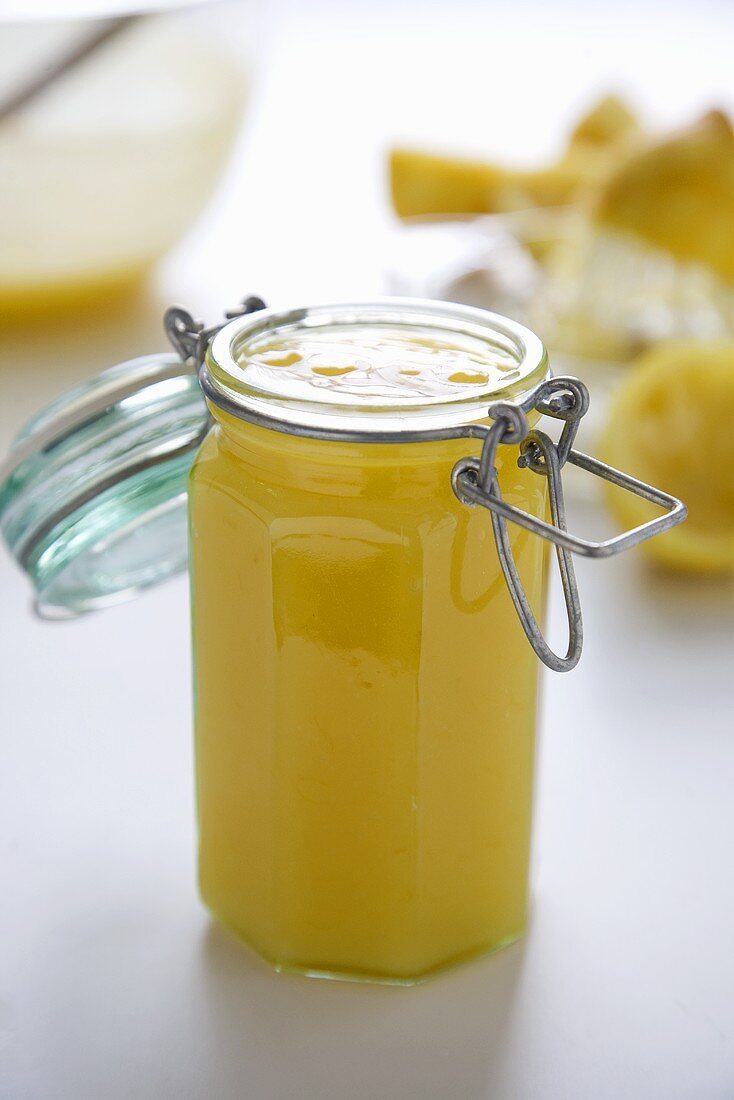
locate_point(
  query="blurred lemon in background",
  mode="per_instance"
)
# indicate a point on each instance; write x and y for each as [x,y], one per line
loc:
[670,424]
[678,195]
[656,258]
[632,228]
[425,183]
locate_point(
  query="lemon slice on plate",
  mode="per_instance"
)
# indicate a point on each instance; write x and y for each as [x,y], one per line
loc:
[670,424]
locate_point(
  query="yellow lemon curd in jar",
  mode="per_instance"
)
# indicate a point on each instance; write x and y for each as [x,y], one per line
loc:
[365,696]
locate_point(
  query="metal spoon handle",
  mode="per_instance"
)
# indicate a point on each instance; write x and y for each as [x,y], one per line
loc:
[64,64]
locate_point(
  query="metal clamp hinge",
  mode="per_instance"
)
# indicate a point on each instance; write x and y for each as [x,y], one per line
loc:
[476,481]
[190,338]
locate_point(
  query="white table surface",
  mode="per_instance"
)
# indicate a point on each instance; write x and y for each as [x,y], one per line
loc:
[114,983]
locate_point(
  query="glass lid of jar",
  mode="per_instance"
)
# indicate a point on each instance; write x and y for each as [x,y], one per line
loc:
[93,491]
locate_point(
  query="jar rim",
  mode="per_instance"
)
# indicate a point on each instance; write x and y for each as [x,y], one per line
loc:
[225,386]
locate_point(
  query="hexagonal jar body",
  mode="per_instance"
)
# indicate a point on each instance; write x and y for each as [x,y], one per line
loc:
[365,701]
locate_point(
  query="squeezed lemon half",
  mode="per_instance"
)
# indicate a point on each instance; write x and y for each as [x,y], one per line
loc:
[429,184]
[671,424]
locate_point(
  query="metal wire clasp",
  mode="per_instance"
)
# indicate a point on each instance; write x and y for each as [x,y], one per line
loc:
[476,481]
[190,338]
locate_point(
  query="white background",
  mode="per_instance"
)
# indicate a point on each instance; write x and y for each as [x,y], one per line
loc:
[113,981]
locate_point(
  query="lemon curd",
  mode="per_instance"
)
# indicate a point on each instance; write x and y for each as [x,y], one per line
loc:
[365,696]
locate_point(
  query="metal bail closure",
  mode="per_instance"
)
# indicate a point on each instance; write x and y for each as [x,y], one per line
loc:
[476,481]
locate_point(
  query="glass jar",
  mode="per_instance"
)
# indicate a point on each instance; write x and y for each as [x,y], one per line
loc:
[365,697]
[365,701]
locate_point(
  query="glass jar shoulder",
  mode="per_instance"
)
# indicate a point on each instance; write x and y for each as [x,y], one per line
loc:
[251,463]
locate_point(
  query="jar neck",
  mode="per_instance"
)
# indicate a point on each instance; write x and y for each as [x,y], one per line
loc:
[346,468]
